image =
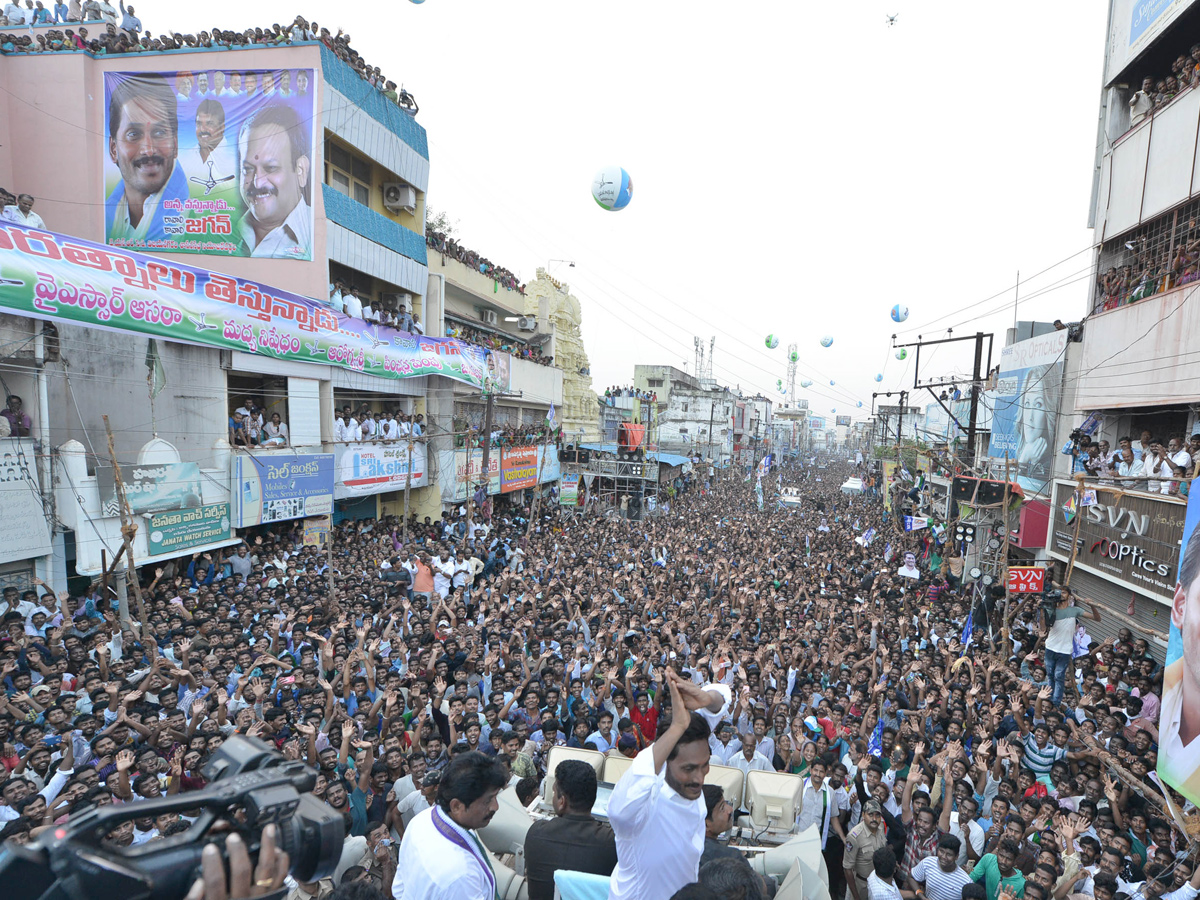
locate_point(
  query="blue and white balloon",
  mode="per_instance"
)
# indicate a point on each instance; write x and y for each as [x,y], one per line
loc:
[860,404]
[832,382]
[827,341]
[805,383]
[879,377]
[612,188]
[899,313]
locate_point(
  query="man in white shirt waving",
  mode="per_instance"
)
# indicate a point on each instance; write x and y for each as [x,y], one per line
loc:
[441,856]
[657,810]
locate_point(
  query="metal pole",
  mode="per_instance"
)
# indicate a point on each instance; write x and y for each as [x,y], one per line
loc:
[1004,564]
[408,487]
[975,378]
[128,530]
[488,414]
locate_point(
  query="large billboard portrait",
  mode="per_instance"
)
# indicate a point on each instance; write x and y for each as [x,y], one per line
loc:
[1179,722]
[1025,419]
[217,162]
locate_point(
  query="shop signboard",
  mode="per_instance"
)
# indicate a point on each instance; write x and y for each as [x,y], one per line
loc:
[518,468]
[1026,579]
[276,487]
[182,530]
[365,469]
[1131,539]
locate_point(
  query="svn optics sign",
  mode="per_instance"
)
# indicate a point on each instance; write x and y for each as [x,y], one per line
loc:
[1026,579]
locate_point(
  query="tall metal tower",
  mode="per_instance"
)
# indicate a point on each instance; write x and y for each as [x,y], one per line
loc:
[704,362]
[791,374]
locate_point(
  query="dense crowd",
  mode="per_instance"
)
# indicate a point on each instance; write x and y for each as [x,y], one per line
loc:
[449,246]
[498,341]
[125,35]
[1158,92]
[935,757]
[1147,464]
[613,392]
[1158,265]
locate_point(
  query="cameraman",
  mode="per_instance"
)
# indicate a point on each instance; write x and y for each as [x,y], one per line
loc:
[1058,623]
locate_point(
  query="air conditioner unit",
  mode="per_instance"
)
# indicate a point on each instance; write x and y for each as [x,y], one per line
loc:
[527,323]
[397,300]
[397,196]
[488,316]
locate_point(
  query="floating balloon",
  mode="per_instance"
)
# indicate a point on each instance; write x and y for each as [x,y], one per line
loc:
[827,341]
[879,377]
[794,356]
[860,404]
[833,410]
[832,382]
[612,188]
[901,353]
[899,313]
[772,342]
[806,383]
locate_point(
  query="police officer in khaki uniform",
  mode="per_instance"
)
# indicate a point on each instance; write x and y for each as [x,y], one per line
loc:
[861,843]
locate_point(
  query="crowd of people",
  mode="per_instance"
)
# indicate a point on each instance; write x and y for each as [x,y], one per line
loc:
[449,246]
[612,392]
[124,34]
[422,678]
[365,424]
[1156,93]
[18,208]
[498,341]
[1149,463]
[1158,264]
[357,304]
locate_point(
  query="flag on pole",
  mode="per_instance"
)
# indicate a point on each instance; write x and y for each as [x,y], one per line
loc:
[550,416]
[915,523]
[887,552]
[156,375]
[875,744]
[968,630]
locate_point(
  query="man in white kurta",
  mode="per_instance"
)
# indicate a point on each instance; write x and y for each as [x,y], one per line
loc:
[433,867]
[659,831]
[441,856]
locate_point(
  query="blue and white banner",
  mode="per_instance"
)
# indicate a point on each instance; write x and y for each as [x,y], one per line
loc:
[915,523]
[275,487]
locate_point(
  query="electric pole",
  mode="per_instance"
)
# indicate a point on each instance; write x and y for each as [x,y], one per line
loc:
[976,378]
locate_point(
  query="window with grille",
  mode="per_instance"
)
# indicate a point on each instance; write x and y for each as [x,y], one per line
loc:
[1160,255]
[348,173]
[654,382]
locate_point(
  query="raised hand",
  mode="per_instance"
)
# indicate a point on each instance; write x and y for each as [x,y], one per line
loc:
[125,760]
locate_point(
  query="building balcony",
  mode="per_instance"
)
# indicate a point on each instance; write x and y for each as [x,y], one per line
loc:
[363,239]
[1141,354]
[482,289]
[1150,168]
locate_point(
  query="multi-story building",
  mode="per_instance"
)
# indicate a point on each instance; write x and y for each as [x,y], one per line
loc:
[270,176]
[694,418]
[1134,370]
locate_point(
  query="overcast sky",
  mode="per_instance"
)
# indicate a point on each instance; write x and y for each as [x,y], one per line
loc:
[797,168]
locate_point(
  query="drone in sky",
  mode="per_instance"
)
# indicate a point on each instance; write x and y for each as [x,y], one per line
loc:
[891,20]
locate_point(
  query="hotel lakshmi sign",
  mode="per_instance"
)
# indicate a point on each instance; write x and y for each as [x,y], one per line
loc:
[1132,539]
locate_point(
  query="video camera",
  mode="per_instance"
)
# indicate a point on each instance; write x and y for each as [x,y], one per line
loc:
[1050,601]
[250,786]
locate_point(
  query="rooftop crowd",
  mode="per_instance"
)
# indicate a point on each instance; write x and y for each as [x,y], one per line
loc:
[449,246]
[716,634]
[1170,462]
[498,341]
[123,33]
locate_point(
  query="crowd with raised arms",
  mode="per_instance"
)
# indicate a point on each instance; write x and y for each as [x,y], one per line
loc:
[801,646]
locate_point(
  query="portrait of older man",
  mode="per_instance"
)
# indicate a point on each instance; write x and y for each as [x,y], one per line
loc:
[276,168]
[143,143]
[1179,727]
[211,162]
